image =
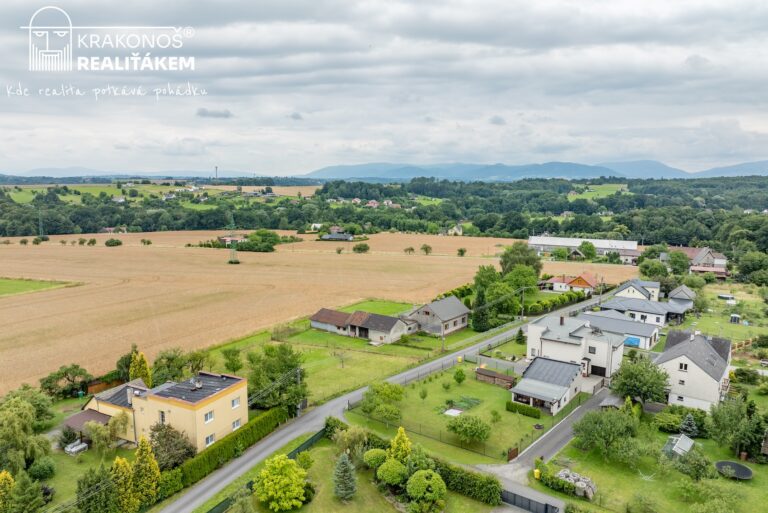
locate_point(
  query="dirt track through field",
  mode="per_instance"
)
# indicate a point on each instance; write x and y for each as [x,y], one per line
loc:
[166,295]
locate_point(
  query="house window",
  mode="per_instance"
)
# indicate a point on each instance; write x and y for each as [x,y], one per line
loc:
[683,367]
[209,417]
[681,382]
[235,402]
[209,440]
[236,425]
[455,323]
[533,352]
[592,350]
[162,417]
[446,325]
[631,316]
[464,320]
[680,398]
[658,319]
[643,317]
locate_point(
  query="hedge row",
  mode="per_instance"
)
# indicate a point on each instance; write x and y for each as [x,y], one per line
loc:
[551,481]
[231,446]
[171,481]
[524,409]
[480,487]
[460,292]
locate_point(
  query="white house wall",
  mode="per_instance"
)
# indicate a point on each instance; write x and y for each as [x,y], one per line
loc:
[699,390]
[648,318]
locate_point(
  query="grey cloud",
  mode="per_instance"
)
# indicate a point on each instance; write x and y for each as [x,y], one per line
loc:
[202,112]
[497,120]
[296,116]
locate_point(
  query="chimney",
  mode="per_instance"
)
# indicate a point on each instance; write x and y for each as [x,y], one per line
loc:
[562,320]
[129,391]
[693,336]
[198,384]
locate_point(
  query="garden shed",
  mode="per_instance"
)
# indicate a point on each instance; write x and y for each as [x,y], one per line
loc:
[678,445]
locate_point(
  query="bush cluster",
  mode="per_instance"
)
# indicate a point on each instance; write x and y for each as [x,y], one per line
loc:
[524,409]
[171,481]
[231,446]
[551,481]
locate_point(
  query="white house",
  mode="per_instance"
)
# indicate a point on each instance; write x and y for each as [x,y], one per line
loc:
[546,244]
[441,317]
[697,366]
[639,289]
[378,329]
[636,334]
[548,384]
[568,339]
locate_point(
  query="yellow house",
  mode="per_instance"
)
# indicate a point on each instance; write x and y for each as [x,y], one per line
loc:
[205,408]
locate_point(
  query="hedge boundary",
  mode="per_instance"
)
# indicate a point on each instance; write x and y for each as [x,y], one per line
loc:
[524,409]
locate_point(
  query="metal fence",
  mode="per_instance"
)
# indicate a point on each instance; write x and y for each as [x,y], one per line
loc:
[491,363]
[224,505]
[526,503]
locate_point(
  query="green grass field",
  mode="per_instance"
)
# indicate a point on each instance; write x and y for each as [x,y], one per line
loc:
[511,348]
[70,468]
[425,201]
[600,191]
[618,483]
[11,286]
[716,323]
[423,417]
[392,308]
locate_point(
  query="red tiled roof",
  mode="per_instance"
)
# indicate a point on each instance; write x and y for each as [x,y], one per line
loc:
[333,317]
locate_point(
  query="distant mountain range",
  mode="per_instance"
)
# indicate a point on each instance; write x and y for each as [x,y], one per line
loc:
[389,172]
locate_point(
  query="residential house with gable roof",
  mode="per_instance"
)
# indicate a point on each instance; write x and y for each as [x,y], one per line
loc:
[639,335]
[441,317]
[639,289]
[548,384]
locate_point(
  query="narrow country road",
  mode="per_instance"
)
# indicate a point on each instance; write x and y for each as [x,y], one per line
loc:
[314,419]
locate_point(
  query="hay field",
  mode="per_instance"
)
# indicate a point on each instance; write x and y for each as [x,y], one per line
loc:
[167,295]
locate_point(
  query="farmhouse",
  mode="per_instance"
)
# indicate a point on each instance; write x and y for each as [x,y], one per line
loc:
[645,310]
[585,282]
[545,244]
[547,384]
[636,334]
[441,317]
[697,366]
[702,260]
[205,408]
[639,289]
[572,340]
[379,329]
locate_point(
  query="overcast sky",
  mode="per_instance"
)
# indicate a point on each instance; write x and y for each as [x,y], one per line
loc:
[295,85]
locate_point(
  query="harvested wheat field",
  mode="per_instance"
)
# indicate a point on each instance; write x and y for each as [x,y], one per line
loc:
[168,295]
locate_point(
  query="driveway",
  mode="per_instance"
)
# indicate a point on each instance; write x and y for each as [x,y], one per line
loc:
[314,419]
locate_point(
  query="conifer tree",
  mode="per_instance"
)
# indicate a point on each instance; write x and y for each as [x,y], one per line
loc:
[400,446]
[140,368]
[520,337]
[344,479]
[6,487]
[688,426]
[96,492]
[26,496]
[125,494]
[480,321]
[146,474]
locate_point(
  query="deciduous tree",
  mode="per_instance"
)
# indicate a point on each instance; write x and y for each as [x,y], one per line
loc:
[469,428]
[96,492]
[26,495]
[280,484]
[520,254]
[170,446]
[641,379]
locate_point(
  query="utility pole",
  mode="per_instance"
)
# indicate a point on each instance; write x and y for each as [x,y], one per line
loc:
[232,242]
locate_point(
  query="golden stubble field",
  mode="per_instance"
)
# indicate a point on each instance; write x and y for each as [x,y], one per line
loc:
[167,295]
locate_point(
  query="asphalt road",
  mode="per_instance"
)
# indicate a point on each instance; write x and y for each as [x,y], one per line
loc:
[314,419]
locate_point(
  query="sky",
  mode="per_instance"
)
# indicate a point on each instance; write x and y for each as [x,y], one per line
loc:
[296,85]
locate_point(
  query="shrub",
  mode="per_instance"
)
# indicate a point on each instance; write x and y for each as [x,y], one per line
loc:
[361,248]
[668,422]
[110,243]
[171,481]
[746,376]
[392,472]
[642,504]
[551,481]
[194,469]
[374,458]
[304,459]
[480,487]
[67,436]
[428,489]
[524,409]
[43,468]
[446,385]
[469,428]
[459,376]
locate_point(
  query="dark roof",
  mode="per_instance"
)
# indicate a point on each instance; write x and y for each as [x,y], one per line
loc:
[337,236]
[334,317]
[710,354]
[210,384]
[448,308]
[78,420]
[615,322]
[682,292]
[118,395]
[378,322]
[552,371]
[623,304]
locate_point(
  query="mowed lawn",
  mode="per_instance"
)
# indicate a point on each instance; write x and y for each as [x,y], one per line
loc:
[601,191]
[10,286]
[617,484]
[507,350]
[70,468]
[423,417]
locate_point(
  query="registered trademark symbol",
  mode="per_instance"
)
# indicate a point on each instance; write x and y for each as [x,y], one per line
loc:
[189,32]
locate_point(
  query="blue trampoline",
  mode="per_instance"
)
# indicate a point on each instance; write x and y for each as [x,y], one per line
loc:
[632,342]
